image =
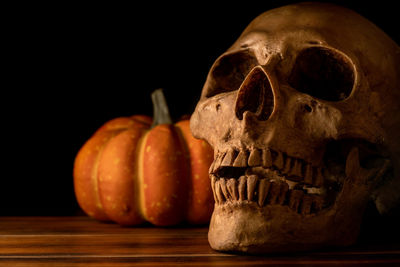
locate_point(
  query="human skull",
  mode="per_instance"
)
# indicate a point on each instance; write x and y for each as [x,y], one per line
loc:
[303,114]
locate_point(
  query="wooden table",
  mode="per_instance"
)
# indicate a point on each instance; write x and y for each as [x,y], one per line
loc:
[81,241]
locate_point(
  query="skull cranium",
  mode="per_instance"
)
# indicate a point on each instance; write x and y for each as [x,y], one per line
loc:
[303,114]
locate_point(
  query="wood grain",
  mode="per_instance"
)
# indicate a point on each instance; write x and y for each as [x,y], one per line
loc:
[81,241]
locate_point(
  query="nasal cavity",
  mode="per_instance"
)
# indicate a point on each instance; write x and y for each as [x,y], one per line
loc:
[255,95]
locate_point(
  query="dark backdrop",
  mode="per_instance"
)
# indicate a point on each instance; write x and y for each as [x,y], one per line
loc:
[73,67]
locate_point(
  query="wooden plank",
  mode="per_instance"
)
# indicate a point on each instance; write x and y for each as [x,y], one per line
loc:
[192,261]
[77,236]
[81,241]
[102,244]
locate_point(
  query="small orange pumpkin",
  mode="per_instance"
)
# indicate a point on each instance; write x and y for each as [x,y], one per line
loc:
[131,171]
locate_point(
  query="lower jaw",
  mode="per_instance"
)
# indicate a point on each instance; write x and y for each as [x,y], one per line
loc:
[245,227]
[248,228]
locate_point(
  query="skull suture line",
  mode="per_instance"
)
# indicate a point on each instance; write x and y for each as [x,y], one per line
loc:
[303,114]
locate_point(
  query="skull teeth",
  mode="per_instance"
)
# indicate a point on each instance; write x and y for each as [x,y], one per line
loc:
[267,177]
[265,192]
[241,159]
[242,188]
[291,168]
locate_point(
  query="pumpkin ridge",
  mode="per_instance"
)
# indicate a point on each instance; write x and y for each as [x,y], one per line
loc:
[94,178]
[95,171]
[200,199]
[140,180]
[189,178]
[138,175]
[116,177]
[165,176]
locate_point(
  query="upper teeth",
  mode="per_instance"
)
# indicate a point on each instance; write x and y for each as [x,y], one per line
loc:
[291,168]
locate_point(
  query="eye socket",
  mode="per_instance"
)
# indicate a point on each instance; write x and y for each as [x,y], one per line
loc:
[228,72]
[322,73]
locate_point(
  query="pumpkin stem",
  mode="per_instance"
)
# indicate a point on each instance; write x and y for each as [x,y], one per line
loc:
[160,108]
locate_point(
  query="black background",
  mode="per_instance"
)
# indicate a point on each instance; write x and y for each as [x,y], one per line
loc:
[71,68]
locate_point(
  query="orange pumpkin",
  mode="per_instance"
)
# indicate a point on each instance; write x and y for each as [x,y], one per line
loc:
[129,172]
